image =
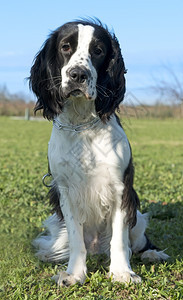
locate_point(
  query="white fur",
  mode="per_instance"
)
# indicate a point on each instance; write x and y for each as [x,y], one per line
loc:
[154,255]
[137,237]
[82,57]
[53,244]
[120,251]
[88,168]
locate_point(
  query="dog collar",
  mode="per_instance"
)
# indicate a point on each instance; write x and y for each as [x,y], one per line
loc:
[75,128]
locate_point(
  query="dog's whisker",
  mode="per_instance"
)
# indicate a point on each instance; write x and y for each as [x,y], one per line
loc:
[51,79]
[105,93]
[104,88]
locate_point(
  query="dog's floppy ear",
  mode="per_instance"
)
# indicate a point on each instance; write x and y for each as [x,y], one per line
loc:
[112,83]
[44,79]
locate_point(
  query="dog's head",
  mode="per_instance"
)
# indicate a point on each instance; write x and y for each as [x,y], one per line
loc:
[79,59]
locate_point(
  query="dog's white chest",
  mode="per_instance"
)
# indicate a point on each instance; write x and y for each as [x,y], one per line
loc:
[72,155]
[90,166]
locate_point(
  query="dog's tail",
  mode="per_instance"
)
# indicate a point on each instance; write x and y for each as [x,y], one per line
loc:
[141,244]
[53,245]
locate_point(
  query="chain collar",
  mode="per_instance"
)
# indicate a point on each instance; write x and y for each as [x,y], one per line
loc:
[75,128]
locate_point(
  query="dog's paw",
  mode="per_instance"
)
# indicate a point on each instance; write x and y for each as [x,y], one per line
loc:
[126,277]
[65,279]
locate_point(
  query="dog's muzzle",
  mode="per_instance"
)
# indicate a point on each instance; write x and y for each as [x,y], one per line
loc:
[79,83]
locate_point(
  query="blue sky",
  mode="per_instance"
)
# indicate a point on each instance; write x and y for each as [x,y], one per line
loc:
[149,32]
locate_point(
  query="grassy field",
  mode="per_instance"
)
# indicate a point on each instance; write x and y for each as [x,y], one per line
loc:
[158,157]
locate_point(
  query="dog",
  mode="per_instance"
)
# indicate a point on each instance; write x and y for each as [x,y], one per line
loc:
[78,77]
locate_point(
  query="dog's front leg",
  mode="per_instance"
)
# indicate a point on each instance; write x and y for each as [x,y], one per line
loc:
[76,270]
[120,264]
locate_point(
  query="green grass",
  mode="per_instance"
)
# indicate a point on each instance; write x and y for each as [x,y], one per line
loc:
[158,157]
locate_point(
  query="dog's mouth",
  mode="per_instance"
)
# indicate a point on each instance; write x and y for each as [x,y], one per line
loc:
[77,93]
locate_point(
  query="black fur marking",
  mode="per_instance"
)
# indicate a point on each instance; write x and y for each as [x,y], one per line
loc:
[130,200]
[148,246]
[112,79]
[54,196]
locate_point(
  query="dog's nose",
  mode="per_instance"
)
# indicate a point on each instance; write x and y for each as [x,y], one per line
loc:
[78,75]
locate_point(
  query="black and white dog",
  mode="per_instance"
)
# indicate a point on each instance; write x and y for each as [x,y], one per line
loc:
[78,78]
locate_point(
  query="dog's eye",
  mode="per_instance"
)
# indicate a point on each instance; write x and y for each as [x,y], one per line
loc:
[66,48]
[98,51]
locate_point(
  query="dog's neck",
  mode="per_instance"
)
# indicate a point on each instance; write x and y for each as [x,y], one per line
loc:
[78,111]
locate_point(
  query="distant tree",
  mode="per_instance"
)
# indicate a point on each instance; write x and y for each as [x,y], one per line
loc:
[4,93]
[14,104]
